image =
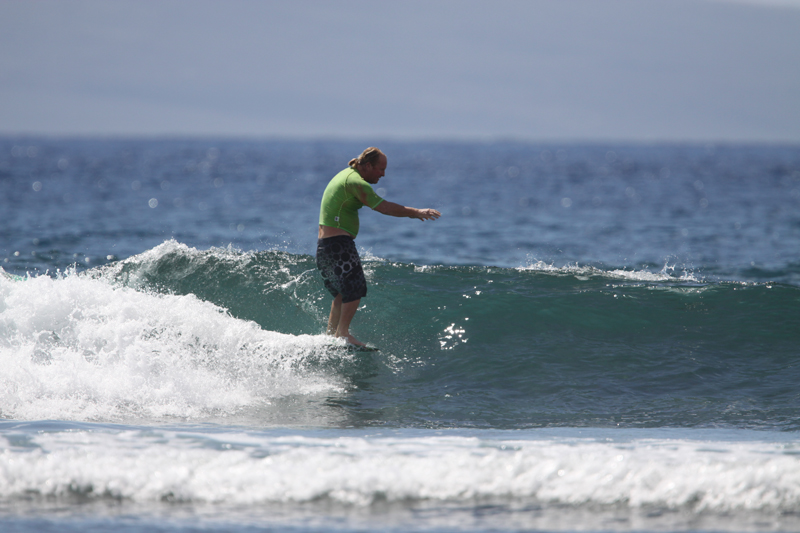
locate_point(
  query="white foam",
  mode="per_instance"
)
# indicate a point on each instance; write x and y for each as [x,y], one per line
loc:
[367,255]
[73,347]
[586,272]
[639,275]
[356,470]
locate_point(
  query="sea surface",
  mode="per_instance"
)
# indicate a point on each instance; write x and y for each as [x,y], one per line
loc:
[590,338]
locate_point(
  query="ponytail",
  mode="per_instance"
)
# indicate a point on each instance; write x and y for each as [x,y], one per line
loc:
[369,156]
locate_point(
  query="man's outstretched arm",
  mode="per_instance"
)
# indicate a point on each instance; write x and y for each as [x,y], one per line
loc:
[396,210]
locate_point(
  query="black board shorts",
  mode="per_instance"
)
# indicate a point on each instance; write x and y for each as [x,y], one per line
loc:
[340,266]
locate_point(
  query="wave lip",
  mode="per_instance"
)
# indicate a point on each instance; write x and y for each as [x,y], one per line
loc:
[667,273]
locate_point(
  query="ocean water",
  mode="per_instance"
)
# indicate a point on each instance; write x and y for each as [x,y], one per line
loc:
[590,338]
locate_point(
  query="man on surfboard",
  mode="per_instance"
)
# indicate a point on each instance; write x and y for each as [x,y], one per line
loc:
[337,257]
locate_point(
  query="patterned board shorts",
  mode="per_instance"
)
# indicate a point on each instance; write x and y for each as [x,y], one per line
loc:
[340,266]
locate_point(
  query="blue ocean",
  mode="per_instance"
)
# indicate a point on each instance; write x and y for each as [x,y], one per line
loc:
[590,338]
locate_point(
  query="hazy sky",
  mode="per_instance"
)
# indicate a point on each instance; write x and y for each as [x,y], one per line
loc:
[596,70]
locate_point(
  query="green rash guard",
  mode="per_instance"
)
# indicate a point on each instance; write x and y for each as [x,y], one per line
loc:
[346,193]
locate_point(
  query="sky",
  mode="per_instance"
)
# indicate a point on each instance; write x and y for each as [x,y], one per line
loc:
[536,70]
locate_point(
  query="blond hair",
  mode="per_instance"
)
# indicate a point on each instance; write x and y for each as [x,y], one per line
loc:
[369,156]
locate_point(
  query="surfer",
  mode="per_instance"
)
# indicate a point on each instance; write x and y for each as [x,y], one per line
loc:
[337,257]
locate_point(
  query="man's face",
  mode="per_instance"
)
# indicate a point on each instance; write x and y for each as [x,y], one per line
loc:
[373,173]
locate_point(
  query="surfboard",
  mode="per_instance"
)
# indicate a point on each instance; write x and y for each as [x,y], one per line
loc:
[336,344]
[354,348]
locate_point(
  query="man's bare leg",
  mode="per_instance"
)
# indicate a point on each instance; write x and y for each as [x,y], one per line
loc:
[348,312]
[336,312]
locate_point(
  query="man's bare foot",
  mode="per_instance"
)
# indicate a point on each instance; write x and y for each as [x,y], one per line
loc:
[352,340]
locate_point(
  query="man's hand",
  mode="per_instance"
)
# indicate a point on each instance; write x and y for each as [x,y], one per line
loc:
[428,214]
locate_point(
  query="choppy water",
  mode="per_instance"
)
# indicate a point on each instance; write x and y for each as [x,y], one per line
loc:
[590,338]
